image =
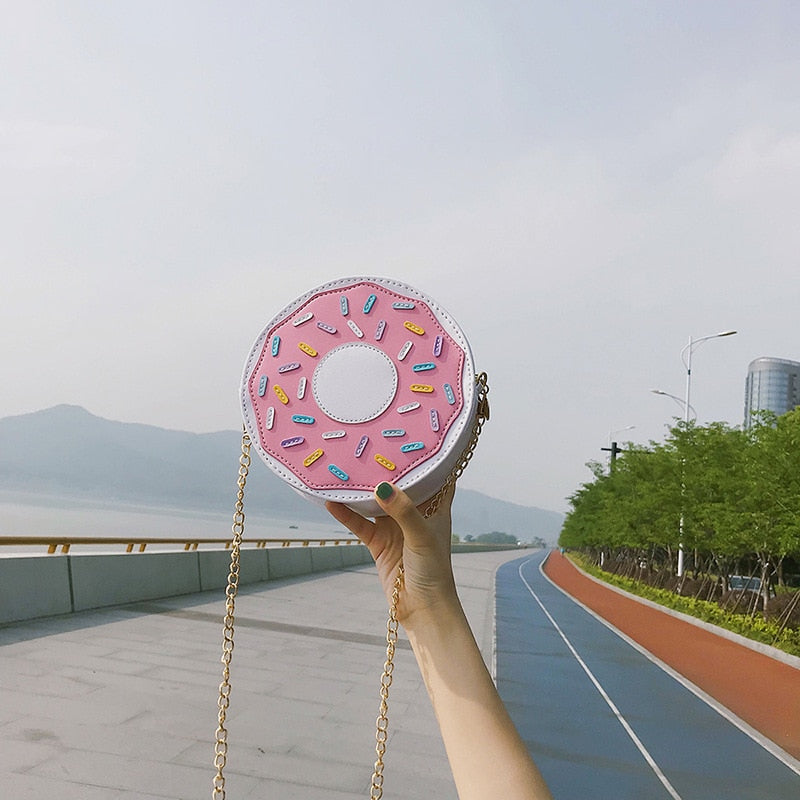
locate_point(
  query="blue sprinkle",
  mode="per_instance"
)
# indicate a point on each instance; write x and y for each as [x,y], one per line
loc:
[411,446]
[338,472]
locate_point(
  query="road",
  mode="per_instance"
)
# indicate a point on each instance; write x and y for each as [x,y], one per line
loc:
[602,720]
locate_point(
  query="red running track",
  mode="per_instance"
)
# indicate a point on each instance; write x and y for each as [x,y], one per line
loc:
[761,690]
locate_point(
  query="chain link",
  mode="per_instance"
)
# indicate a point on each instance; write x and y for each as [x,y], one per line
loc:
[382,723]
[221,738]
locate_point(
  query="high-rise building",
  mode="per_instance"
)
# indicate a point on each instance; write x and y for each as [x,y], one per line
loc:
[773,384]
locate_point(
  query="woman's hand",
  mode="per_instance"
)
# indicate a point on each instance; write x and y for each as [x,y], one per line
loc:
[406,536]
[494,763]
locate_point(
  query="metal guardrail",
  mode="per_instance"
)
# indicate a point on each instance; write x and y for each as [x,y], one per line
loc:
[139,544]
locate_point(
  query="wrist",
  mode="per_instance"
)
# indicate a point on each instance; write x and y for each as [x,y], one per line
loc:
[436,619]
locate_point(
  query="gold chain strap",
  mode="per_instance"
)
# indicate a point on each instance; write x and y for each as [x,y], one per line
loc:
[382,722]
[221,740]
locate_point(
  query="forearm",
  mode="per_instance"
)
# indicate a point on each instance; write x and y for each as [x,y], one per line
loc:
[487,756]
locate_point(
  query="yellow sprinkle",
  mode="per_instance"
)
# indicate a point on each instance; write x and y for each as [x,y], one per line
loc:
[307,348]
[282,396]
[414,328]
[384,462]
[310,459]
[421,387]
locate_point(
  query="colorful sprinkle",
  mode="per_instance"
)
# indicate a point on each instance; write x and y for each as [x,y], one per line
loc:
[270,417]
[282,396]
[412,446]
[305,318]
[449,394]
[404,351]
[408,407]
[289,367]
[344,305]
[308,349]
[276,345]
[323,326]
[421,387]
[356,330]
[428,365]
[370,302]
[303,419]
[414,328]
[293,442]
[338,472]
[384,462]
[334,434]
[361,445]
[312,457]
[434,420]
[379,330]
[301,387]
[262,386]
[437,346]
[403,306]
[391,433]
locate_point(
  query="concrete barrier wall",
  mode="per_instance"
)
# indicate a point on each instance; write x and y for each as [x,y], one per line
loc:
[34,586]
[43,586]
[214,566]
[108,580]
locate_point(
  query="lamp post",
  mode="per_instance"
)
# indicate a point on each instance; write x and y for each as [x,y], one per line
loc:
[686,358]
[612,434]
[678,400]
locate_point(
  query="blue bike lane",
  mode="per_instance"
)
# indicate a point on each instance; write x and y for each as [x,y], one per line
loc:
[602,720]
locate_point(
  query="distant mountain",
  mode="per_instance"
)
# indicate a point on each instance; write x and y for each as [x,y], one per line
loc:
[65,451]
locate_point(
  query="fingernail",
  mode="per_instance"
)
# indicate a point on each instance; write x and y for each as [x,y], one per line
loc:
[384,490]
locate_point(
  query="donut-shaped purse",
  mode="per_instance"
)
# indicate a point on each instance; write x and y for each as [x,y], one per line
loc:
[359,381]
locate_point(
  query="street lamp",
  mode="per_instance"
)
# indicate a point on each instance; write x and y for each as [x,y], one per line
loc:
[687,362]
[611,434]
[686,358]
[681,403]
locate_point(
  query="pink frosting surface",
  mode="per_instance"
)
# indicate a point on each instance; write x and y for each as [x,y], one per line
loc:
[362,471]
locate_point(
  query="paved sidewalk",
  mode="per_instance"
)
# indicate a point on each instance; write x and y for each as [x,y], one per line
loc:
[120,703]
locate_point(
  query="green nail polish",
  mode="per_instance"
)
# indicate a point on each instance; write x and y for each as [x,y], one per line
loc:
[384,490]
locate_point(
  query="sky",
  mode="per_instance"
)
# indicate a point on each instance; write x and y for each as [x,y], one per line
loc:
[584,186]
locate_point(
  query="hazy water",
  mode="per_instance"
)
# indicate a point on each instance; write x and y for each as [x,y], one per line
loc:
[64,517]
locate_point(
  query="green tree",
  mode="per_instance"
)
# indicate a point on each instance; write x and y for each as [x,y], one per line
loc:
[731,497]
[497,537]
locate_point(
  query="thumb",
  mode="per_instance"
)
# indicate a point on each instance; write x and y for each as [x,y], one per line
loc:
[398,505]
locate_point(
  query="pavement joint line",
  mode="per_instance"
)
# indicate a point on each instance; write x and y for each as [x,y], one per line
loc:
[271,625]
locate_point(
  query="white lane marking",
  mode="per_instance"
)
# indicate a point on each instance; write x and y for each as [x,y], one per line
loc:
[597,685]
[773,749]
